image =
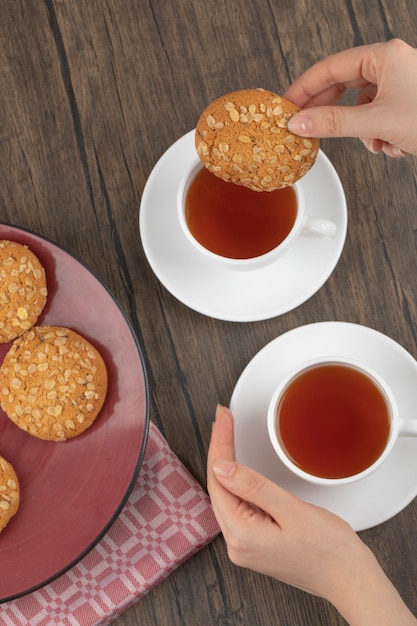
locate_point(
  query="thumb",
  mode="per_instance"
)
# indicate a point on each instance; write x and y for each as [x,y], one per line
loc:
[335,121]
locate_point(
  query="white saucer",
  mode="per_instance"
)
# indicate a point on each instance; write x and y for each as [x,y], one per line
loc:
[372,500]
[229,294]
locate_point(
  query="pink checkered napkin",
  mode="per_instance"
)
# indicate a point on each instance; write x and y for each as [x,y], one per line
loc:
[167,518]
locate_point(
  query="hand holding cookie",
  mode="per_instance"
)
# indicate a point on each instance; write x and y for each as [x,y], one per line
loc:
[242,137]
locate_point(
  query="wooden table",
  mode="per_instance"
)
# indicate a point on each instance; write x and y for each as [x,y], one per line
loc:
[91,94]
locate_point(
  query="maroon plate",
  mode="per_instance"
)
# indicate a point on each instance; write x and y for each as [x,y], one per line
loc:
[72,491]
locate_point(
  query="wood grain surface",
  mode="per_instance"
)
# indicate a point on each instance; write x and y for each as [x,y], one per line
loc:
[92,92]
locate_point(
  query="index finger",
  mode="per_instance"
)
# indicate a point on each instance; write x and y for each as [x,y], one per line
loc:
[325,81]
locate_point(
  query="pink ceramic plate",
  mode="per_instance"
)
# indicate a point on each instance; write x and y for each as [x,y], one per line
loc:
[71,492]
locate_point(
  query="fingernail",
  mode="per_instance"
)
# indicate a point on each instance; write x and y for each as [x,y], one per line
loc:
[218,409]
[300,124]
[224,468]
[370,147]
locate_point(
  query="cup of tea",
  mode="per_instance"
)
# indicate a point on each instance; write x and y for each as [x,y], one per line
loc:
[240,228]
[333,421]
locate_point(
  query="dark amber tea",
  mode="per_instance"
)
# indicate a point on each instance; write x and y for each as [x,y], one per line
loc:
[234,221]
[333,421]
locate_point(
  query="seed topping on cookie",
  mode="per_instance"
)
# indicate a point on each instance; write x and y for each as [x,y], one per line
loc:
[9,492]
[23,289]
[53,383]
[243,138]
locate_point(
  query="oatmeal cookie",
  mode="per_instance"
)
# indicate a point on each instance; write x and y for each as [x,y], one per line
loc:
[9,492]
[243,138]
[53,383]
[23,289]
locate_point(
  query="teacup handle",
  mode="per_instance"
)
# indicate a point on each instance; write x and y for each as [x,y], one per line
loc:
[408,428]
[317,227]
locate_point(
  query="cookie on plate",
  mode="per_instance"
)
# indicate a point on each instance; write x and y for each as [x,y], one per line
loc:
[23,289]
[9,492]
[242,137]
[53,383]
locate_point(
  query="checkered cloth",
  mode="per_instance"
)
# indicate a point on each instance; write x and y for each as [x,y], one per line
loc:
[167,518]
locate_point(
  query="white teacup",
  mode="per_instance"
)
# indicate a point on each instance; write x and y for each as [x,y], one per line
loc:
[304,225]
[301,381]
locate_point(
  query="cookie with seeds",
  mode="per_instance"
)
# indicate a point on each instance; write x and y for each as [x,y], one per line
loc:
[9,493]
[53,383]
[23,289]
[242,137]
